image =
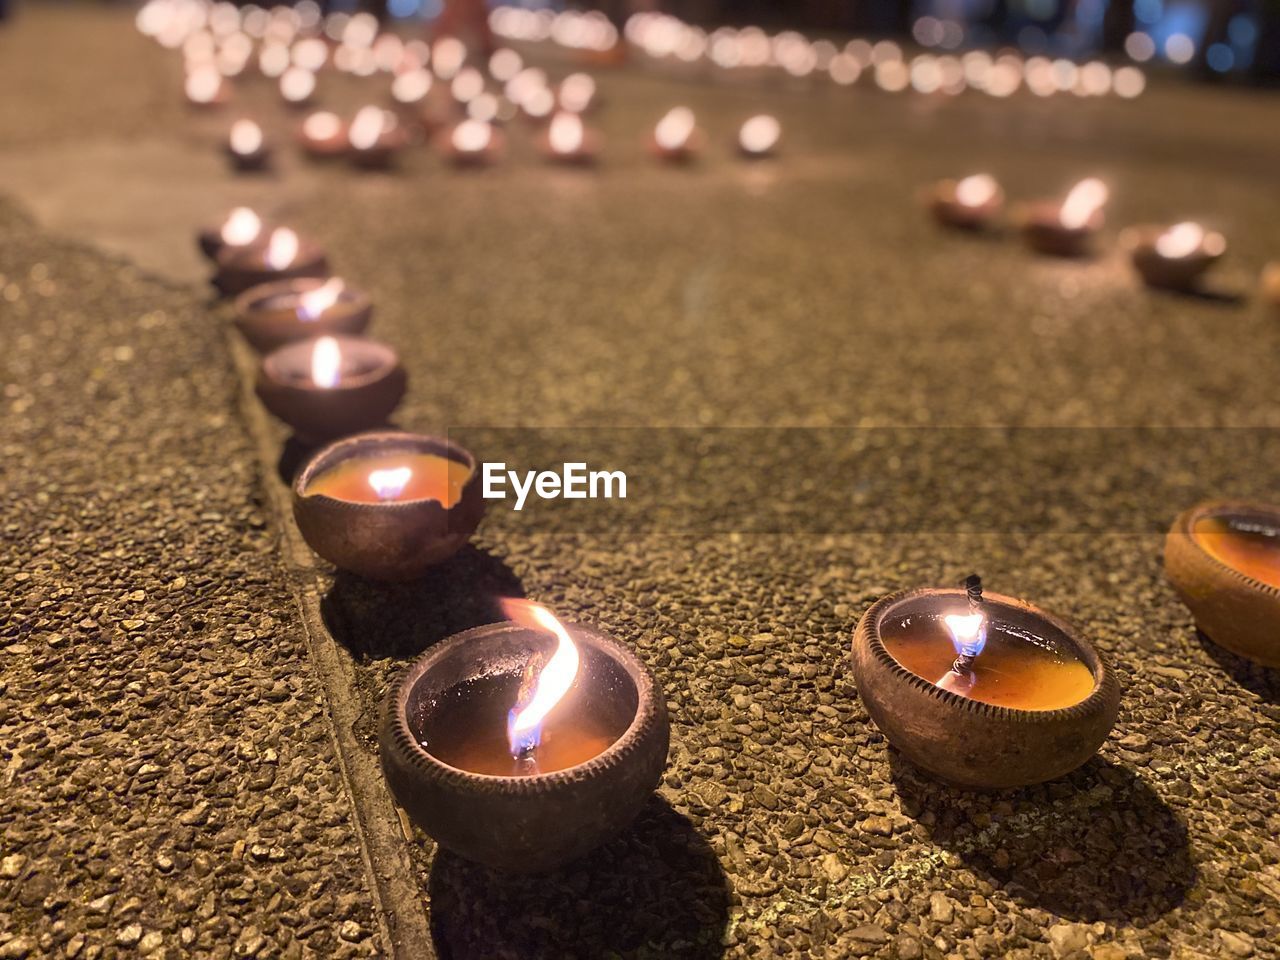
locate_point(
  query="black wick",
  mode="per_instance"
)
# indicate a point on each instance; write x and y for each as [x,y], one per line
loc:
[973,590]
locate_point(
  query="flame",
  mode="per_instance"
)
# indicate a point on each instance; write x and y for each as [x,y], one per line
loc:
[1084,200]
[760,134]
[315,302]
[326,362]
[411,86]
[471,136]
[968,632]
[246,137]
[976,190]
[565,134]
[366,128]
[322,125]
[281,248]
[296,84]
[389,484]
[1180,240]
[241,227]
[203,84]
[577,91]
[539,694]
[674,130]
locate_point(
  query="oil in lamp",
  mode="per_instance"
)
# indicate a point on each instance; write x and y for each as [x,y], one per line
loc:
[759,136]
[676,138]
[375,137]
[331,386]
[323,135]
[246,146]
[1065,229]
[283,256]
[973,203]
[471,143]
[242,228]
[1175,257]
[274,314]
[524,745]
[982,691]
[1223,560]
[388,505]
[568,140]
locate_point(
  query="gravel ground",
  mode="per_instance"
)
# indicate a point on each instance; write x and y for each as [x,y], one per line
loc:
[805,292]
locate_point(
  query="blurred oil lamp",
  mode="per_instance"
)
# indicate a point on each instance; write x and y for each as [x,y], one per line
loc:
[577,93]
[1223,560]
[242,228]
[284,255]
[246,146]
[1270,283]
[274,314]
[1065,229]
[471,143]
[331,386]
[411,87]
[676,136]
[467,85]
[758,137]
[524,745]
[376,137]
[205,86]
[982,691]
[1173,257]
[297,86]
[568,140]
[973,203]
[323,135]
[388,505]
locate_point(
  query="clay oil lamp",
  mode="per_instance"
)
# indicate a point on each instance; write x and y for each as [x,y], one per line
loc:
[376,137]
[388,506]
[471,143]
[1270,283]
[242,228]
[1173,258]
[567,140]
[331,386]
[246,146]
[283,256]
[758,137]
[205,87]
[982,691]
[676,138]
[1065,229]
[524,745]
[1223,560]
[274,314]
[323,135]
[973,203]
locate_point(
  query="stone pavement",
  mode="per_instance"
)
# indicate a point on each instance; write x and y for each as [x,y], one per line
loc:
[217,782]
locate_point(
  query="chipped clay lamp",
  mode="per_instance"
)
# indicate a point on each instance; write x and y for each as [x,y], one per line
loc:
[982,691]
[331,386]
[388,505]
[323,135]
[973,203]
[568,140]
[375,137]
[1173,258]
[274,314]
[471,143]
[1065,229]
[1223,560]
[283,256]
[676,138]
[758,137]
[242,228]
[524,745]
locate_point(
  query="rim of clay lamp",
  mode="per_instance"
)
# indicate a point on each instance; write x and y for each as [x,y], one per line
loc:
[339,451]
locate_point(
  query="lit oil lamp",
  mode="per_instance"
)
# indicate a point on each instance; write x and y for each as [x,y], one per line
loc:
[982,691]
[973,203]
[246,146]
[331,386]
[758,137]
[388,506]
[205,87]
[283,256]
[297,86]
[568,140]
[375,137]
[577,93]
[1173,257]
[471,143]
[323,135]
[1270,283]
[274,314]
[676,137]
[524,745]
[242,228]
[1223,560]
[1066,229]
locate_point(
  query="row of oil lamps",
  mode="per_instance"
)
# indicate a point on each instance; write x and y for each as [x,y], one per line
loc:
[524,744]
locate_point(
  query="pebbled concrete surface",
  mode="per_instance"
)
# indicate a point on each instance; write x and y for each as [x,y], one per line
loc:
[805,292]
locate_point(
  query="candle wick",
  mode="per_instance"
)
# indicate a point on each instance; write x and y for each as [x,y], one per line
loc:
[973,591]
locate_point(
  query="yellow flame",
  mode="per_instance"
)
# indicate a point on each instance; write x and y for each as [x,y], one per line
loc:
[471,136]
[366,128]
[390,483]
[760,134]
[241,227]
[565,134]
[1180,240]
[674,130]
[326,362]
[1084,200]
[976,190]
[313,303]
[281,248]
[964,627]
[246,137]
[203,84]
[524,723]
[322,125]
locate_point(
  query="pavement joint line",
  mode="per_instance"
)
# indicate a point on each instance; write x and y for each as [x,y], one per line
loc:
[379,823]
